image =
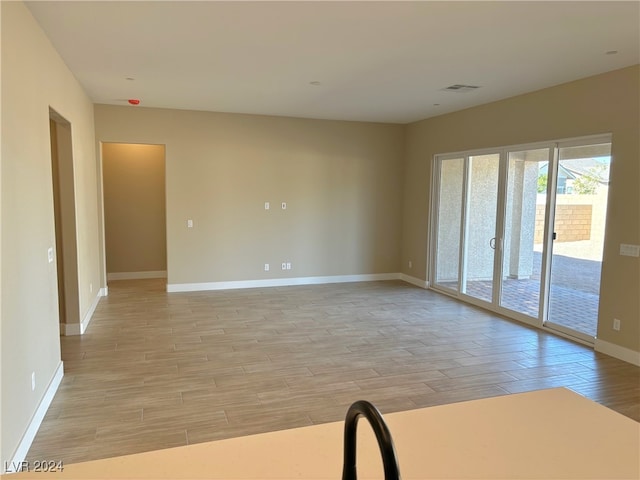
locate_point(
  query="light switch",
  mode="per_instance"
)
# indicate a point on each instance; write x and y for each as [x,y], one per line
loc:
[284,205]
[189,223]
[266,205]
[629,250]
[266,267]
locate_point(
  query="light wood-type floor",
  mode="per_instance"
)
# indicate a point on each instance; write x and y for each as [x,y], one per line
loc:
[157,370]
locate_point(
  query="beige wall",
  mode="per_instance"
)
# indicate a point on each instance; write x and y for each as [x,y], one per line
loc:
[134,207]
[34,78]
[342,182]
[601,104]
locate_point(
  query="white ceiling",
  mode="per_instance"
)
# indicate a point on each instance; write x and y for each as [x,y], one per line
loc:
[376,61]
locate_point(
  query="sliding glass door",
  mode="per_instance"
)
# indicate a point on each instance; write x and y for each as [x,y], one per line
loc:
[451,175]
[466,225]
[580,204]
[480,226]
[524,221]
[520,230]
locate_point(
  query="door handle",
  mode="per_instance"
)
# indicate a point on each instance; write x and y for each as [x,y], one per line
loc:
[492,243]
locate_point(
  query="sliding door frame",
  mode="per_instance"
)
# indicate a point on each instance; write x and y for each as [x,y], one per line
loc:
[553,147]
[548,323]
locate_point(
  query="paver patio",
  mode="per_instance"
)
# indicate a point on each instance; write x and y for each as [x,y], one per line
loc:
[574,297]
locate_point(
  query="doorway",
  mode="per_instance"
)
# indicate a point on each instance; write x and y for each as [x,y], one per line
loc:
[134,210]
[520,230]
[64,205]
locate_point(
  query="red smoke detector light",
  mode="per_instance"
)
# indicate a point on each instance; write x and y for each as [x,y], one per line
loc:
[134,101]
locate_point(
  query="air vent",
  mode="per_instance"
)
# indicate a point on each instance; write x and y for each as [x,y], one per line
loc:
[459,88]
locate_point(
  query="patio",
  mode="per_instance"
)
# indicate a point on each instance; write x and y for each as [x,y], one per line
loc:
[574,294]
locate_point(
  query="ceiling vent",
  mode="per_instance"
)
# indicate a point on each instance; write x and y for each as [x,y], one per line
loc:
[460,88]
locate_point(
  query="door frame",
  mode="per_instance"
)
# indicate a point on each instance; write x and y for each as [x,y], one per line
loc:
[552,176]
[64,204]
[548,255]
[103,225]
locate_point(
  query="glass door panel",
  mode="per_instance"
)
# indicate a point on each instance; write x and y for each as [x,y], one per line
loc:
[480,226]
[580,215]
[449,220]
[524,221]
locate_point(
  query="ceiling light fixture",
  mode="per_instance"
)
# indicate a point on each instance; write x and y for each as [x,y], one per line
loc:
[611,52]
[129,78]
[315,83]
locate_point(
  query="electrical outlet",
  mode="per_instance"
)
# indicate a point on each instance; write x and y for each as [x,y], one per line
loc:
[266,205]
[616,324]
[284,266]
[189,223]
[629,250]
[33,381]
[288,266]
[50,254]
[410,264]
[266,267]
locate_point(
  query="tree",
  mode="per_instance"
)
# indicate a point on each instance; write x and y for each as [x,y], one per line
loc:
[588,183]
[542,183]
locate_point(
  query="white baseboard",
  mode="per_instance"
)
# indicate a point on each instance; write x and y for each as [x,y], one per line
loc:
[72,329]
[80,328]
[136,275]
[280,282]
[27,439]
[621,353]
[414,281]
